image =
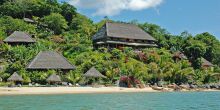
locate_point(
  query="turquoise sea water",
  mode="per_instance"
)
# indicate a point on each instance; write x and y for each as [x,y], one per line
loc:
[119,101]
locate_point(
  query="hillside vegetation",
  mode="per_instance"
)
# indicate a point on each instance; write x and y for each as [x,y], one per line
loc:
[59,27]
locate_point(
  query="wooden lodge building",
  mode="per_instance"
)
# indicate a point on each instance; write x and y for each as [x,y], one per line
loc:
[18,37]
[119,35]
[47,60]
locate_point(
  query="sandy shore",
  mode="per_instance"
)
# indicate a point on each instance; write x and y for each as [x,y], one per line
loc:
[78,90]
[68,90]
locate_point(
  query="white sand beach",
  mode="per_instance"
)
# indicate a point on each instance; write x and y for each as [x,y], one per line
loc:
[68,90]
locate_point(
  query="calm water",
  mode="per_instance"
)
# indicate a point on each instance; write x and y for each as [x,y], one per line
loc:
[128,101]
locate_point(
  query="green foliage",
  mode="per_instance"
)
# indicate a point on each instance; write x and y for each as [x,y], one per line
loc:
[81,24]
[9,25]
[117,54]
[68,11]
[212,47]
[29,8]
[55,22]
[195,49]
[202,45]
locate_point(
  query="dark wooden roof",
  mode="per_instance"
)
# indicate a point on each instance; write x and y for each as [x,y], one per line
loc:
[94,73]
[15,77]
[19,37]
[206,62]
[122,30]
[54,78]
[50,60]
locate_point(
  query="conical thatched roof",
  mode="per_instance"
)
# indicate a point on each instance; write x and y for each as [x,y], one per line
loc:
[54,78]
[50,60]
[15,77]
[206,63]
[94,73]
[19,37]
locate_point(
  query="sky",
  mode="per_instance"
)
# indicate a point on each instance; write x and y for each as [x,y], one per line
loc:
[194,16]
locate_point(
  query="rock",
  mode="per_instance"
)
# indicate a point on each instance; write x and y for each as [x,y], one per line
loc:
[77,85]
[30,84]
[157,88]
[19,85]
[177,88]
[64,83]
[171,86]
[160,83]
[36,84]
[185,86]
[193,86]
[174,87]
[70,84]
[214,86]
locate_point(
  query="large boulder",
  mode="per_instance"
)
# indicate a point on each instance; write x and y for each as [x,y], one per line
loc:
[193,86]
[174,87]
[184,86]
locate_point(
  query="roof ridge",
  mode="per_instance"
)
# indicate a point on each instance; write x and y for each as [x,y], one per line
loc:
[33,59]
[64,58]
[19,36]
[122,30]
[29,36]
[37,63]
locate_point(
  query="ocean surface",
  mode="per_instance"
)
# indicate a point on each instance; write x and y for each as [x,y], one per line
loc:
[119,101]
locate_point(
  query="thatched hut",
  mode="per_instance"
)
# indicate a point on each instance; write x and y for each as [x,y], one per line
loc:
[119,35]
[93,76]
[93,73]
[179,56]
[53,79]
[19,37]
[15,78]
[47,60]
[206,63]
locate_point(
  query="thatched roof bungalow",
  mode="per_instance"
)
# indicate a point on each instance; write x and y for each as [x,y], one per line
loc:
[179,55]
[19,37]
[206,63]
[121,34]
[93,73]
[15,78]
[46,60]
[53,79]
